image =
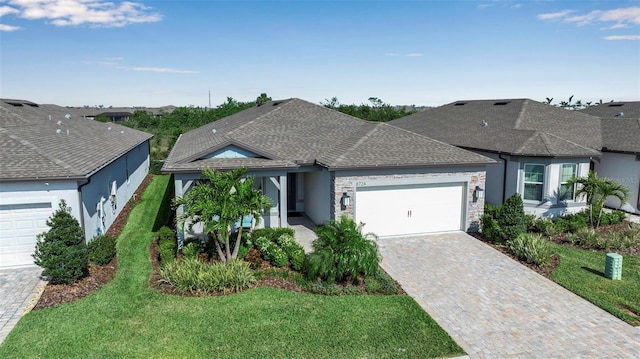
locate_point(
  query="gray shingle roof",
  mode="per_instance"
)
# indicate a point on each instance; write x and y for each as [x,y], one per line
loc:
[620,125]
[34,145]
[516,126]
[293,132]
[628,109]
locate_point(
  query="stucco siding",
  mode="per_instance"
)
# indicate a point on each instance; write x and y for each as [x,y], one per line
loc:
[317,197]
[472,177]
[100,207]
[625,170]
[48,191]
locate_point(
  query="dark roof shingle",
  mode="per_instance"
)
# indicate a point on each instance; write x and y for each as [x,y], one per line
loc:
[43,142]
[294,132]
[517,126]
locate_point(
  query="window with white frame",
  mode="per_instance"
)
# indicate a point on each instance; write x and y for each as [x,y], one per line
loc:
[533,182]
[567,192]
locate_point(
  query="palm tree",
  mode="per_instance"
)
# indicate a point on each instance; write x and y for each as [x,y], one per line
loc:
[218,202]
[597,190]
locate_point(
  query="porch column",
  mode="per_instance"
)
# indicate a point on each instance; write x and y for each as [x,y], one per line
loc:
[283,201]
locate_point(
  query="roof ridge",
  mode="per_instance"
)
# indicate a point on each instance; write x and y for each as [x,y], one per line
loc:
[39,151]
[358,142]
[529,140]
[516,125]
[571,142]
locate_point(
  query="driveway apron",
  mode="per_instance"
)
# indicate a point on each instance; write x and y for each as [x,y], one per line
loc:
[20,288]
[494,307]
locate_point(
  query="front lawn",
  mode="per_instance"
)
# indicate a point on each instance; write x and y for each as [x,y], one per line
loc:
[582,272]
[129,319]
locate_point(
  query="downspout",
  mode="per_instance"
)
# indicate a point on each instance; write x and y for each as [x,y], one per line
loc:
[504,177]
[82,207]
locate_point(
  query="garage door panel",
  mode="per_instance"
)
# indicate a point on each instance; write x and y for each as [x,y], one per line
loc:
[20,225]
[414,209]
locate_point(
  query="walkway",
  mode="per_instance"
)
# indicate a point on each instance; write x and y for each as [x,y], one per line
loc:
[494,307]
[20,288]
[303,227]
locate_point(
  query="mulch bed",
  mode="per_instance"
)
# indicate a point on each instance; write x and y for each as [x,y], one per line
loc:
[98,276]
[555,259]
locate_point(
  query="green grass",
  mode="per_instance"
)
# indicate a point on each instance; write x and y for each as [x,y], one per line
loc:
[128,319]
[582,272]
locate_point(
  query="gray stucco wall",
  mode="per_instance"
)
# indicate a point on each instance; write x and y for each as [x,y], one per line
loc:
[347,181]
[317,201]
[625,170]
[128,171]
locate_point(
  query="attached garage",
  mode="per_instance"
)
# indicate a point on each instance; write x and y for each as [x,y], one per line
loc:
[19,226]
[394,210]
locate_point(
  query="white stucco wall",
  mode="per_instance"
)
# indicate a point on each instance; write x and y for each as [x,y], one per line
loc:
[42,191]
[317,196]
[624,169]
[128,172]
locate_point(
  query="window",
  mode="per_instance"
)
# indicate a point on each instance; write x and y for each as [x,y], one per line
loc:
[533,182]
[566,191]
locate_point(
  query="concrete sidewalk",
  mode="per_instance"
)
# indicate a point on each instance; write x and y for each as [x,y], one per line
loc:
[494,307]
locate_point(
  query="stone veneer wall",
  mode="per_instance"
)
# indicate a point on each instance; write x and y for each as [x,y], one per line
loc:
[474,211]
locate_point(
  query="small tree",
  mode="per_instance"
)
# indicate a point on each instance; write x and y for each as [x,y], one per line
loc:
[219,202]
[512,220]
[597,190]
[62,251]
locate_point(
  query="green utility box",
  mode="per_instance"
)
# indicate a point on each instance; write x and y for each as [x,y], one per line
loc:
[613,266]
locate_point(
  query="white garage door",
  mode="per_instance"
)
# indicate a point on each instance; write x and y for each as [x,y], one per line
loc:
[19,225]
[413,209]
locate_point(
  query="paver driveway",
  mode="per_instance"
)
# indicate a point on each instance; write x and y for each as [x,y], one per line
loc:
[495,307]
[19,288]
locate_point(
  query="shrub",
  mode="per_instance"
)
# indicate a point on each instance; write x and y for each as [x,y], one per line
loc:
[512,220]
[341,251]
[613,217]
[351,290]
[191,250]
[167,245]
[317,287]
[490,228]
[102,249]
[532,248]
[571,223]
[372,285]
[547,227]
[588,238]
[293,249]
[155,167]
[272,233]
[271,252]
[193,275]
[62,251]
[585,237]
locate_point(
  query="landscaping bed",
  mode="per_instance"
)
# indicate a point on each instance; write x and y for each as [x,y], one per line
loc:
[98,275]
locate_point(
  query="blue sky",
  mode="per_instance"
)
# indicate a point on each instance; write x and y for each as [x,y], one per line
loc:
[155,53]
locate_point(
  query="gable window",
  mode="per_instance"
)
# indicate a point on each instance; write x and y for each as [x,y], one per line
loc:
[533,182]
[566,191]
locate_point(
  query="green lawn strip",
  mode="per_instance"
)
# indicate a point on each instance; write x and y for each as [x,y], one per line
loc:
[582,272]
[128,319]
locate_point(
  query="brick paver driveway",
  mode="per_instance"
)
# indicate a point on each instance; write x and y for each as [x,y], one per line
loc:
[496,308]
[19,289]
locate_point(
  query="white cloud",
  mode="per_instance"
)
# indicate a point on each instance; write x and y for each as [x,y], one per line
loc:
[8,28]
[623,37]
[6,10]
[79,12]
[622,17]
[554,15]
[392,54]
[159,69]
[414,54]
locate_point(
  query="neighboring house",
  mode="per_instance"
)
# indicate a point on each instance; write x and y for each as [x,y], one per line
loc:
[116,116]
[318,162]
[620,159]
[537,146]
[48,156]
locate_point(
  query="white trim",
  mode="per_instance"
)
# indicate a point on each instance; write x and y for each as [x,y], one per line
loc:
[545,180]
